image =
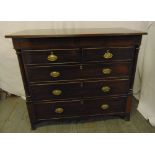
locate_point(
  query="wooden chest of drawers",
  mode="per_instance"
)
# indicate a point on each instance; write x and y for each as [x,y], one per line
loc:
[77,73]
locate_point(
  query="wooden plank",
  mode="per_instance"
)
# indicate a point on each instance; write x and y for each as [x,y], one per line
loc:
[62,127]
[12,124]
[6,108]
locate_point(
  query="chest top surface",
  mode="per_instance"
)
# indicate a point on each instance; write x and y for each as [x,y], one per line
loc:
[46,33]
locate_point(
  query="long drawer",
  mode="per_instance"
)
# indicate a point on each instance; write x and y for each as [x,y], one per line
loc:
[79,89]
[47,110]
[84,71]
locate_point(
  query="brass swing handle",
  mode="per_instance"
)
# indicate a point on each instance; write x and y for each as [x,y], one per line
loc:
[52,57]
[107,55]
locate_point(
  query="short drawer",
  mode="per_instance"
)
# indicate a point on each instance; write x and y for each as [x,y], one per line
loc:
[51,56]
[53,73]
[56,91]
[108,54]
[103,70]
[51,110]
[105,87]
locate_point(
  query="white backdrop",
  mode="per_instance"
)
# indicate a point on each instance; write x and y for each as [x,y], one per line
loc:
[145,82]
[10,78]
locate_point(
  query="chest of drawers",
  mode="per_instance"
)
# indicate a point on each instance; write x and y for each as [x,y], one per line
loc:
[77,73]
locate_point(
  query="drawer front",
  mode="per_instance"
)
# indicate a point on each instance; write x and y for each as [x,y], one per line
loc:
[107,70]
[51,56]
[105,88]
[108,54]
[76,90]
[53,73]
[70,72]
[55,91]
[80,108]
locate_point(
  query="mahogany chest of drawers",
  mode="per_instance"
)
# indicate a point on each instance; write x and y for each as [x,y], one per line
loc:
[77,73]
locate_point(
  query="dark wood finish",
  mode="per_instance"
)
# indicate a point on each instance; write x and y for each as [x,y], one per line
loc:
[44,91]
[93,106]
[72,72]
[76,42]
[46,110]
[94,88]
[119,53]
[40,56]
[78,89]
[118,70]
[42,73]
[134,66]
[80,64]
